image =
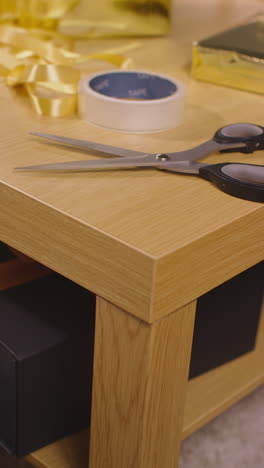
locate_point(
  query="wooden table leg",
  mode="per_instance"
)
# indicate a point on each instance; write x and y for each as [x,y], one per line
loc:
[139,388]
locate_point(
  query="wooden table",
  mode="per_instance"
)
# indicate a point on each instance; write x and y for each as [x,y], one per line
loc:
[148,244]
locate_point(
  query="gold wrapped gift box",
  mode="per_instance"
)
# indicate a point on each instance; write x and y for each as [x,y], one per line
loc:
[234,58]
[118,18]
[35,13]
[87,18]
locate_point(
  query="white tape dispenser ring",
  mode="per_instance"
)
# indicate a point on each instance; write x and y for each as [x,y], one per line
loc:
[131,101]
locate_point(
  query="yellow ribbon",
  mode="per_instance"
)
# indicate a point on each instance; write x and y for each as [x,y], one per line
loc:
[52,88]
[43,60]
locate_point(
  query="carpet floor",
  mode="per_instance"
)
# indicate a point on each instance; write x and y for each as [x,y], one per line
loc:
[235,439]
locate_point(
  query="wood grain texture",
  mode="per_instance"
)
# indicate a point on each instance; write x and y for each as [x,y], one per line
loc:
[148,242]
[154,221]
[98,263]
[139,387]
[70,452]
[208,262]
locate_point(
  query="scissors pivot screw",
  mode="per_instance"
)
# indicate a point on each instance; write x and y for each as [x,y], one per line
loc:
[162,157]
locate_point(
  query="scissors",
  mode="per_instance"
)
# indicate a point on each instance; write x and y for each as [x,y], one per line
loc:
[244,181]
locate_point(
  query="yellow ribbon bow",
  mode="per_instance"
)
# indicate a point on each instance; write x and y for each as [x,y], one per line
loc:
[42,60]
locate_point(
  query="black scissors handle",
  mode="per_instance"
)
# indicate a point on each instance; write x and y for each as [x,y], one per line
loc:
[250,134]
[244,181]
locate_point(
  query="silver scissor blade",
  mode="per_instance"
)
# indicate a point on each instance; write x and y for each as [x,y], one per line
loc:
[200,151]
[185,167]
[90,145]
[113,163]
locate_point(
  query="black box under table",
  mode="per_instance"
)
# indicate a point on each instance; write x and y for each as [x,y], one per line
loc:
[46,355]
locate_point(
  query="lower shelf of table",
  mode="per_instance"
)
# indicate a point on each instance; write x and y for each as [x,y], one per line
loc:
[207,396]
[212,393]
[71,452]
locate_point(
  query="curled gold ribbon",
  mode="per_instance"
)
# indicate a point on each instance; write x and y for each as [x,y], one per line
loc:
[8,62]
[52,88]
[23,39]
[43,61]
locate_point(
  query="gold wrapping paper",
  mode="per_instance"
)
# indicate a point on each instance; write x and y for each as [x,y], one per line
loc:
[42,13]
[118,18]
[7,10]
[42,59]
[234,58]
[51,88]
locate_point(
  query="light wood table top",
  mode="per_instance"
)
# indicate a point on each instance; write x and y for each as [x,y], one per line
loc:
[147,241]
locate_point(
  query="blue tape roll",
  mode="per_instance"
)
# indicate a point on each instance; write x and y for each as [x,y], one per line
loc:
[133,85]
[131,101]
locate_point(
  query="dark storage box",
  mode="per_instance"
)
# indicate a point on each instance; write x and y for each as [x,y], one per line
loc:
[227,321]
[46,356]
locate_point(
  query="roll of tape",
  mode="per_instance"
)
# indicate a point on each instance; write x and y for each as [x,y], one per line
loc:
[131,101]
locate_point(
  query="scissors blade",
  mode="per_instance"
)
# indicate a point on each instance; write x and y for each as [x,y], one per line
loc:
[185,167]
[90,145]
[88,165]
[203,150]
